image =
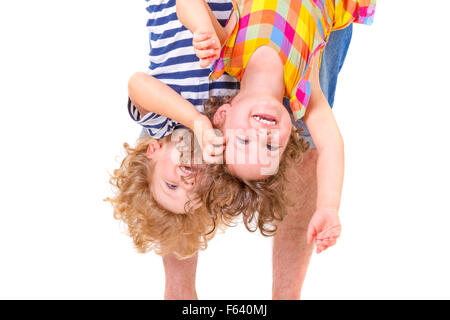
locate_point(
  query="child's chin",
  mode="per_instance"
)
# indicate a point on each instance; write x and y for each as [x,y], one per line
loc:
[252,173]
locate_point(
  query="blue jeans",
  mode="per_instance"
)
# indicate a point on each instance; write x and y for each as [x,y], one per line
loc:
[332,61]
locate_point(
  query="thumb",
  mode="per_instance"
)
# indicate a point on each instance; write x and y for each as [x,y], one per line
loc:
[311,233]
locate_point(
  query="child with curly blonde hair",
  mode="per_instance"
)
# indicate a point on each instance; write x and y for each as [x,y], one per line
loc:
[154,199]
[273,48]
[155,187]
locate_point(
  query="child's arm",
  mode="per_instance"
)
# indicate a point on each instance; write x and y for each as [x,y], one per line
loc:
[151,95]
[196,15]
[319,119]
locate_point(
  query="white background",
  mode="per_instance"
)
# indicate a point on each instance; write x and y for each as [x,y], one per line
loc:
[64,68]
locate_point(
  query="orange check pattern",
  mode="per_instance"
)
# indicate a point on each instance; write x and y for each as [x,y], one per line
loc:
[296,29]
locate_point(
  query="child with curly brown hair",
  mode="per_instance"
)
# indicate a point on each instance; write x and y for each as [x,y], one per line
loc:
[163,98]
[273,47]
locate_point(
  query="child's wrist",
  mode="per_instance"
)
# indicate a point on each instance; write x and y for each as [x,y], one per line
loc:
[327,209]
[205,29]
[198,118]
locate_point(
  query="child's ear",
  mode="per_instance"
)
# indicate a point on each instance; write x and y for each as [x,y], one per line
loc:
[221,115]
[153,146]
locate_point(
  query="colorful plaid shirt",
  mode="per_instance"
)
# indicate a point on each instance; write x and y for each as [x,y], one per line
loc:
[296,29]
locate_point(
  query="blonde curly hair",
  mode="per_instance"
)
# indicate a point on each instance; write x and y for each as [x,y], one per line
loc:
[149,225]
[262,203]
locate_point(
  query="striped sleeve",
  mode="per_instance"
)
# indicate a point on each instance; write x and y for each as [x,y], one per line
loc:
[155,125]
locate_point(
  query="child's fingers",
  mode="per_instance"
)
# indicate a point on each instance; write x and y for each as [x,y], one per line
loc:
[218,150]
[332,233]
[210,151]
[213,154]
[212,159]
[207,44]
[217,140]
[215,137]
[205,62]
[310,234]
[324,244]
[327,243]
[204,54]
[322,238]
[201,37]
[214,150]
[321,247]
[218,144]
[327,234]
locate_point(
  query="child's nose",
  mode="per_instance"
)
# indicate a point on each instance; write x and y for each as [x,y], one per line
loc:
[188,183]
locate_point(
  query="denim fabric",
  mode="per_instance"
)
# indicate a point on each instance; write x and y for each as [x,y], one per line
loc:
[332,61]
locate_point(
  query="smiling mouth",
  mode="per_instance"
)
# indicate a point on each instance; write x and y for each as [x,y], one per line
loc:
[188,170]
[265,119]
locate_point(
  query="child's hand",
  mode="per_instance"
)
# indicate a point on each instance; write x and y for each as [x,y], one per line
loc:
[212,144]
[207,47]
[325,228]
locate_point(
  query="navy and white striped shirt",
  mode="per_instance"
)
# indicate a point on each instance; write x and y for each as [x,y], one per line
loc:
[173,61]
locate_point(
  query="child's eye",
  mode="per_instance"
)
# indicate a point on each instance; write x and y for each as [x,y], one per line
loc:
[272,148]
[171,186]
[243,140]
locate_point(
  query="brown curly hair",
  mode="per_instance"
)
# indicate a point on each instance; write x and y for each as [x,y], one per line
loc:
[149,225]
[261,202]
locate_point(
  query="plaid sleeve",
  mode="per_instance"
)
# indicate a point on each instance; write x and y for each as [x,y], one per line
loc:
[348,11]
[223,63]
[156,125]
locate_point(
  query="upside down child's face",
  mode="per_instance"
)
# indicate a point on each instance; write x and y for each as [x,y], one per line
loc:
[172,182]
[257,129]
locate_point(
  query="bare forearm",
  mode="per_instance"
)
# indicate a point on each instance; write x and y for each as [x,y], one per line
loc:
[220,31]
[197,15]
[325,133]
[194,15]
[330,174]
[152,95]
[330,149]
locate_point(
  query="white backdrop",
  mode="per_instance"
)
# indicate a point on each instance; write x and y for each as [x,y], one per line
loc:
[64,68]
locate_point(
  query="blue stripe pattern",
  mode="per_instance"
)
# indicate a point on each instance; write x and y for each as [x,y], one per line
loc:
[166,33]
[173,61]
[174,45]
[161,6]
[184,74]
[161,21]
